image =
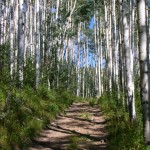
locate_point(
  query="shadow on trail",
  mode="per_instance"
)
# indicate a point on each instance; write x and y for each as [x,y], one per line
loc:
[59,134]
[93,138]
[90,121]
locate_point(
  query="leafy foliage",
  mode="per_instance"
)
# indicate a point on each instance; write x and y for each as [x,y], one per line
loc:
[85,10]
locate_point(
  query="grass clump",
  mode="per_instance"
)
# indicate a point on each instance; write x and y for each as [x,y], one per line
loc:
[92,102]
[76,142]
[80,99]
[85,115]
[25,112]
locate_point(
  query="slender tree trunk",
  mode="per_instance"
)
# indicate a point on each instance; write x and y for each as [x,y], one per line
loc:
[143,59]
[16,36]
[129,64]
[99,58]
[1,19]
[37,43]
[12,39]
[32,23]
[21,43]
[106,39]
[115,48]
[57,8]
[78,61]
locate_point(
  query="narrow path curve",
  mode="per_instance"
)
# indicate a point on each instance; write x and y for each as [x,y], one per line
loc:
[81,128]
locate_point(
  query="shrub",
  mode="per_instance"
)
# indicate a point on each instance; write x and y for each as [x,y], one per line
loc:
[123,135]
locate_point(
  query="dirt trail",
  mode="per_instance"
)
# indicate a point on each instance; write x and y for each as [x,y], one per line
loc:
[81,128]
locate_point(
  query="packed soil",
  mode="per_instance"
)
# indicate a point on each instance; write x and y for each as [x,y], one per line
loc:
[82,127]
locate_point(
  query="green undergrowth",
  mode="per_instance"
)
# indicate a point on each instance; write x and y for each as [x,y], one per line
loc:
[80,100]
[123,135]
[92,101]
[76,142]
[85,115]
[23,113]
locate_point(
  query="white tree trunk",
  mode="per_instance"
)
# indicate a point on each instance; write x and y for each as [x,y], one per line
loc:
[143,60]
[37,3]
[110,60]
[32,22]
[1,20]
[129,64]
[12,39]
[115,48]
[78,61]
[21,42]
[16,41]
[99,57]
[27,17]
[57,8]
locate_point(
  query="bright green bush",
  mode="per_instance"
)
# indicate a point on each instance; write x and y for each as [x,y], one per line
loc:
[123,135]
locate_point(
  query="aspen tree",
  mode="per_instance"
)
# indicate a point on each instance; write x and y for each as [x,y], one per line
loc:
[21,42]
[95,47]
[122,77]
[26,20]
[106,34]
[6,22]
[3,16]
[12,39]
[143,60]
[16,36]
[42,38]
[119,40]
[78,61]
[132,48]
[108,45]
[148,52]
[83,84]
[115,46]
[83,60]
[57,8]
[1,20]
[37,56]
[129,64]
[87,64]
[109,59]
[100,57]
[31,31]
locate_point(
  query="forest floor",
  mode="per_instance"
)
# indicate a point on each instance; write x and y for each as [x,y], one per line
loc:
[82,127]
